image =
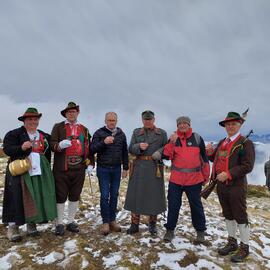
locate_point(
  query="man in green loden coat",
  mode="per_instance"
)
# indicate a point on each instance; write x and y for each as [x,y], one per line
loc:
[146,192]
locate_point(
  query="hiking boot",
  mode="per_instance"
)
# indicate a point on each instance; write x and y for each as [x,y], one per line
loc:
[105,229]
[152,228]
[241,253]
[134,228]
[13,233]
[73,227]
[169,235]
[31,229]
[114,227]
[200,238]
[229,247]
[59,229]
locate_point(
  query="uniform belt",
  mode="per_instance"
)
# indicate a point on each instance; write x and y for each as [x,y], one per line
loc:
[144,157]
[186,170]
[74,160]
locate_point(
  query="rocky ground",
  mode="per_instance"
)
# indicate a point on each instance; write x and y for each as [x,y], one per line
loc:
[90,250]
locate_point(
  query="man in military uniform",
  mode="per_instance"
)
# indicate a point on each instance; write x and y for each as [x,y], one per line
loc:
[146,193]
[70,142]
[233,159]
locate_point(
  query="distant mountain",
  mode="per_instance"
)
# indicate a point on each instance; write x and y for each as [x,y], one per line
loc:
[264,138]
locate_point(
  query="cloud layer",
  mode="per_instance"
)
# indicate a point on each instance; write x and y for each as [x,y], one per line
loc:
[196,58]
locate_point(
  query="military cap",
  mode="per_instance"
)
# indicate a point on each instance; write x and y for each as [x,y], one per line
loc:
[147,115]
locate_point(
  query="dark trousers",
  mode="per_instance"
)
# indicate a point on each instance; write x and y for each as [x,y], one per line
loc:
[69,184]
[109,182]
[233,202]
[175,201]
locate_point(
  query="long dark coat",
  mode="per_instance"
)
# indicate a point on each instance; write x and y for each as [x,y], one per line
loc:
[13,210]
[146,192]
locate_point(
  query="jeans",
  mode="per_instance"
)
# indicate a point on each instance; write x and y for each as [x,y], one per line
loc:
[109,182]
[175,201]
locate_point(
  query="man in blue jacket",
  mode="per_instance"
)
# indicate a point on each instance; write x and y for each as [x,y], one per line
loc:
[110,144]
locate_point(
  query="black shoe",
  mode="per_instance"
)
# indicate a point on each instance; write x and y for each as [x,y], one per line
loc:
[32,229]
[200,238]
[229,247]
[152,228]
[73,227]
[59,229]
[134,228]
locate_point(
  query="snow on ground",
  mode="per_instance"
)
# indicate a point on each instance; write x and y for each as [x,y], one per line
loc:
[90,250]
[10,259]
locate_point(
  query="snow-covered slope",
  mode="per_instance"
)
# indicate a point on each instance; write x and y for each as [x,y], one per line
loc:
[90,250]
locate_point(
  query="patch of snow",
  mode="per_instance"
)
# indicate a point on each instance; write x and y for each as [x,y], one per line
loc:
[111,260]
[85,263]
[96,253]
[145,241]
[135,260]
[9,260]
[202,263]
[70,247]
[67,260]
[170,260]
[50,258]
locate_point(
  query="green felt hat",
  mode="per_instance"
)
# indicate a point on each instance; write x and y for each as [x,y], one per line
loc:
[232,116]
[71,105]
[30,112]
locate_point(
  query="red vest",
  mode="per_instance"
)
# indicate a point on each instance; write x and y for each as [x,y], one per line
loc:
[222,162]
[73,132]
[39,145]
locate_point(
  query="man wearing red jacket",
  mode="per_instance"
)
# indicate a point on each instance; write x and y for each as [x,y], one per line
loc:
[190,169]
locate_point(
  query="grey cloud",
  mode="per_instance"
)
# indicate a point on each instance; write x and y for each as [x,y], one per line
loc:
[201,58]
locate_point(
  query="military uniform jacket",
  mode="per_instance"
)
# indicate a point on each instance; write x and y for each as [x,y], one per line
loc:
[146,192]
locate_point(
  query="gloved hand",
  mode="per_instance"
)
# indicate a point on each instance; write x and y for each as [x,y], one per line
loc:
[65,144]
[89,169]
[156,155]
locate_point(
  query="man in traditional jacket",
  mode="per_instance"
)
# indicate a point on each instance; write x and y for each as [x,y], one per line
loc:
[110,144]
[233,159]
[29,196]
[190,169]
[267,173]
[70,142]
[146,193]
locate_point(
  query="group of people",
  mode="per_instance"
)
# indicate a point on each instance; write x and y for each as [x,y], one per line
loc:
[39,195]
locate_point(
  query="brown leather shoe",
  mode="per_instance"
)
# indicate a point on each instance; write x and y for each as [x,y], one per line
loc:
[241,253]
[229,247]
[114,227]
[105,228]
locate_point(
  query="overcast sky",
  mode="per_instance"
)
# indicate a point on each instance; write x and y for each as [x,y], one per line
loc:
[199,58]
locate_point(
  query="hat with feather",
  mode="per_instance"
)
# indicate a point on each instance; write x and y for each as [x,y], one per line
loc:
[234,116]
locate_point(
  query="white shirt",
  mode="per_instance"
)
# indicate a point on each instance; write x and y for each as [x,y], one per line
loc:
[34,157]
[232,138]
